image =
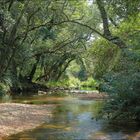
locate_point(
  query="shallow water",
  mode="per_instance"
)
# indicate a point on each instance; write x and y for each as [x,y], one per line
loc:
[73,119]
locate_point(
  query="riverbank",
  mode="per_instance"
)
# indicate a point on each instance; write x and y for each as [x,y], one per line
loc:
[81,94]
[89,95]
[15,118]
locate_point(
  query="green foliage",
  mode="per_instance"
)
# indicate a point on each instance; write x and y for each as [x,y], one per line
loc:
[90,82]
[122,81]
[65,83]
[104,56]
[35,44]
[117,69]
[123,86]
[123,8]
[74,82]
[62,83]
[4,89]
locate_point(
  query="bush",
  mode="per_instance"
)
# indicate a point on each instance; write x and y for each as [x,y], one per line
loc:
[74,82]
[3,89]
[62,83]
[90,82]
[123,86]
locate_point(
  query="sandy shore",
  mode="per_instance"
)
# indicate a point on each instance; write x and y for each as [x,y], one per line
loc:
[15,118]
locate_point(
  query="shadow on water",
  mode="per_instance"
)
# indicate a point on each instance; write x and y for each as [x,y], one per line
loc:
[73,119]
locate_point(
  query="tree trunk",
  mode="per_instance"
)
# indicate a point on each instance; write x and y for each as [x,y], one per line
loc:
[32,73]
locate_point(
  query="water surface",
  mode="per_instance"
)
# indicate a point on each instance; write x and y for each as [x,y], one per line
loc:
[73,119]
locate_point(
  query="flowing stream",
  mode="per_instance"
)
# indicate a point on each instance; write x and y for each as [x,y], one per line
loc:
[73,119]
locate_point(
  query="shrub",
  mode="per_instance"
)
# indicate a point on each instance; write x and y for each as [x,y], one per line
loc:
[74,82]
[123,88]
[90,82]
[3,89]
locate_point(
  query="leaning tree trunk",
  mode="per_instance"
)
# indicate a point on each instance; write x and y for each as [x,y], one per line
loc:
[32,73]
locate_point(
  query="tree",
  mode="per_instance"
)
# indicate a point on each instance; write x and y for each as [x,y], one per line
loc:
[119,68]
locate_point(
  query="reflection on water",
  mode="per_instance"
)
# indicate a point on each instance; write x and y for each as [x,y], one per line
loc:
[74,119]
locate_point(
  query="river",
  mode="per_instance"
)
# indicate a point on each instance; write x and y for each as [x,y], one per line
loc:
[73,118]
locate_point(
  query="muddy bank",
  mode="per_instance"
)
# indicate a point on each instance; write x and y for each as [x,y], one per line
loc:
[15,118]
